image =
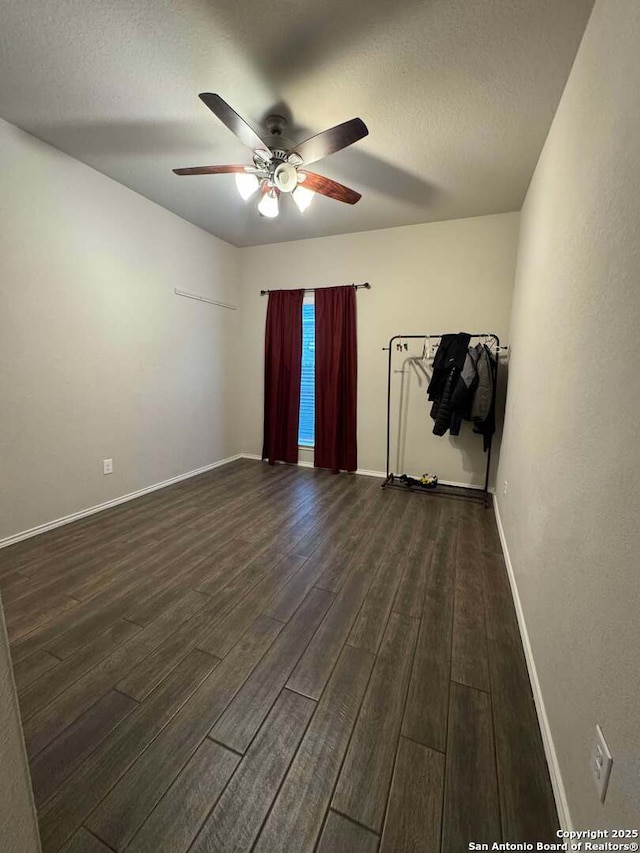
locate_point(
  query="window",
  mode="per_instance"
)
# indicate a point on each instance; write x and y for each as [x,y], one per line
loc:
[306,428]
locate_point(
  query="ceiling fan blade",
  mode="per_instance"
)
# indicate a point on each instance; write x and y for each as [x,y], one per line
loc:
[331,140]
[325,186]
[235,123]
[214,170]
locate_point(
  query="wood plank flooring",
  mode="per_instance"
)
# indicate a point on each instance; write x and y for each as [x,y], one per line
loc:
[275,659]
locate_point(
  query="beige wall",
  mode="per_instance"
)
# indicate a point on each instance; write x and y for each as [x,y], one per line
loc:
[444,276]
[18,827]
[571,451]
[98,357]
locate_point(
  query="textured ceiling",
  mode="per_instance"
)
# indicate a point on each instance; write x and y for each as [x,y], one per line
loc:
[458,97]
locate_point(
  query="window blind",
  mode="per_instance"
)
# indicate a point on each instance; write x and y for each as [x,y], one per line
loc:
[306,428]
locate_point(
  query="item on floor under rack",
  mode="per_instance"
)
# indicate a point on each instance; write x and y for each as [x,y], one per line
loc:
[427,481]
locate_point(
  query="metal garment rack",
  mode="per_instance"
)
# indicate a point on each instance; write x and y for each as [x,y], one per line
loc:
[454,491]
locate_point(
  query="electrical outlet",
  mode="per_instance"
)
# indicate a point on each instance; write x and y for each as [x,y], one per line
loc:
[505,488]
[601,762]
[107,466]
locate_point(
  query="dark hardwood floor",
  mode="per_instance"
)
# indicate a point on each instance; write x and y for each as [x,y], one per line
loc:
[275,659]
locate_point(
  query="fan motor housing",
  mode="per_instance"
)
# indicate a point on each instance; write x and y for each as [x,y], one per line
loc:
[278,144]
[275,124]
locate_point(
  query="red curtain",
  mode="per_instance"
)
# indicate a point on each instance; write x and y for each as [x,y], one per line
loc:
[336,379]
[282,365]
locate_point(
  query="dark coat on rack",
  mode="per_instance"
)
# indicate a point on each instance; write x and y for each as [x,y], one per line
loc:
[442,411]
[472,398]
[483,396]
[483,411]
[464,393]
[447,365]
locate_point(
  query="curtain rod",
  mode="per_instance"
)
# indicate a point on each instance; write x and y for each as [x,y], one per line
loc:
[365,286]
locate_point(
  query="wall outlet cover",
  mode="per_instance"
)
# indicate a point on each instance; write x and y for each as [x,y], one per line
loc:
[601,763]
[107,466]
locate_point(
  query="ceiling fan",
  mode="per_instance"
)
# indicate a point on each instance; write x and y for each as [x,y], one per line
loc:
[279,165]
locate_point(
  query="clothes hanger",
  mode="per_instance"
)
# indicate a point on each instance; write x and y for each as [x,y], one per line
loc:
[426,348]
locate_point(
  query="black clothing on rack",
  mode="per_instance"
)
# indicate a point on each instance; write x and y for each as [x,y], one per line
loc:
[442,411]
[483,394]
[451,352]
[463,395]
[447,365]
[471,397]
[462,387]
[485,424]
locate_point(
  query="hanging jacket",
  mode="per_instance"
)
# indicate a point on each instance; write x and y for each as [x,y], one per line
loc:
[463,397]
[470,396]
[442,411]
[483,411]
[451,352]
[447,364]
[483,395]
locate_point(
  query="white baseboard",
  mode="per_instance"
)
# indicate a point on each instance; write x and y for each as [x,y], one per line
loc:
[365,472]
[559,792]
[67,519]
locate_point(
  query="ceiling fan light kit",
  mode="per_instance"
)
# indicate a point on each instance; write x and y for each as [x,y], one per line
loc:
[303,198]
[268,205]
[285,177]
[277,160]
[247,184]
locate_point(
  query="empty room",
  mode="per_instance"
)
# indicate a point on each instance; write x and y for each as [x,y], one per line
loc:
[319,466]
